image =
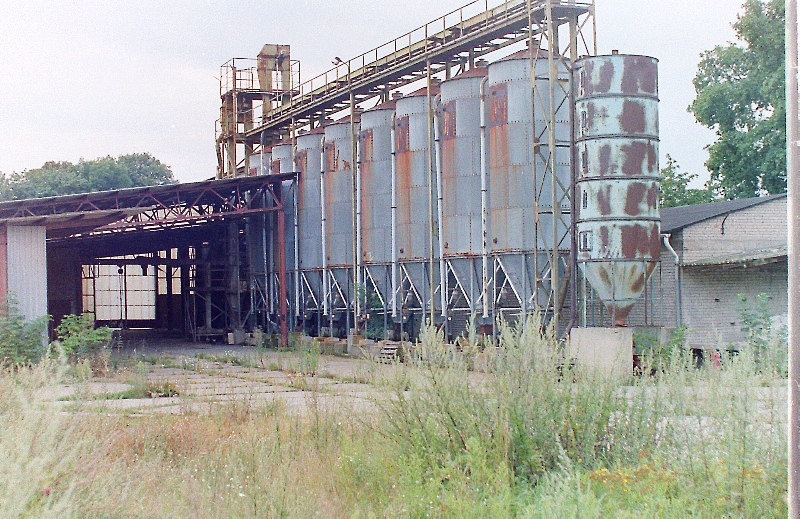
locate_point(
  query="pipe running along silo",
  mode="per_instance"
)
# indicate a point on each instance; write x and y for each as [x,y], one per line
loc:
[517,183]
[309,213]
[463,185]
[375,192]
[413,130]
[618,222]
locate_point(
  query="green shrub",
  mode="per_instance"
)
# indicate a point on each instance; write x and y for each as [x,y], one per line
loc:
[22,342]
[79,337]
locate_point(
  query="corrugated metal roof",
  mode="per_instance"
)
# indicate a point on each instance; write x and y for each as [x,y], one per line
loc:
[676,218]
[754,257]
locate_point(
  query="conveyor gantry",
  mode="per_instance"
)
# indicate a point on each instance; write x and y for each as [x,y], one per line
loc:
[452,39]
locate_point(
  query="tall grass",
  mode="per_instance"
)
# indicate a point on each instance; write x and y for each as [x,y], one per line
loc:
[527,437]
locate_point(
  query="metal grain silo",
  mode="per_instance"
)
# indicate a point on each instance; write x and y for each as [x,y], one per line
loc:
[259,163]
[511,133]
[339,194]
[375,160]
[308,162]
[309,216]
[460,122]
[462,196]
[618,222]
[375,192]
[412,148]
[521,184]
[414,189]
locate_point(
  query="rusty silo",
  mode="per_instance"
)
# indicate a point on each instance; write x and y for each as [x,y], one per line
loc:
[339,235]
[375,191]
[618,221]
[521,189]
[463,183]
[339,194]
[413,192]
[309,216]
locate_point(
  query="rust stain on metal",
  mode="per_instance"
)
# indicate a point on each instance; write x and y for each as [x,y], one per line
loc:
[449,120]
[604,199]
[632,118]
[365,146]
[634,156]
[403,143]
[403,183]
[498,105]
[640,242]
[639,76]
[633,198]
[605,160]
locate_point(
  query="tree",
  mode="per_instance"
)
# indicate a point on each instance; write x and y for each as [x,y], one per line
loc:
[675,188]
[740,94]
[64,178]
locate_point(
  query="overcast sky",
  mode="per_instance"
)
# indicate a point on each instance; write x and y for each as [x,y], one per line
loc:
[89,78]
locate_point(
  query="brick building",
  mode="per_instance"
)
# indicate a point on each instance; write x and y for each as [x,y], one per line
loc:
[722,249]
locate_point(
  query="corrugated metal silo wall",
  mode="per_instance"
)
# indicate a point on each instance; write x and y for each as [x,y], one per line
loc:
[307,158]
[461,166]
[339,194]
[412,148]
[259,164]
[511,183]
[618,223]
[375,148]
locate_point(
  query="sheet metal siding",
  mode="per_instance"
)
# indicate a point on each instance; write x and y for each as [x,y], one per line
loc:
[460,120]
[307,158]
[375,154]
[27,269]
[339,194]
[259,164]
[511,186]
[413,174]
[282,162]
[618,176]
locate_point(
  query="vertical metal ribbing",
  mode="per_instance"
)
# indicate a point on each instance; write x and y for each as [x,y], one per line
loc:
[484,203]
[431,174]
[356,209]
[439,209]
[324,226]
[394,222]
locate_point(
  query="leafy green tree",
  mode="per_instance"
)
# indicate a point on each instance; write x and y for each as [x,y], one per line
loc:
[740,94]
[64,178]
[675,188]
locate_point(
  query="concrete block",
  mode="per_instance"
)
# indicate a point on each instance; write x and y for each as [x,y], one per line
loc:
[607,350]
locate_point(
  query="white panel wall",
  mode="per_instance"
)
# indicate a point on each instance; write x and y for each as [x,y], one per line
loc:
[27,269]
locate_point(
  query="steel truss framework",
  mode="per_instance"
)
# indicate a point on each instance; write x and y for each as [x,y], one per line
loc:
[130,218]
[510,283]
